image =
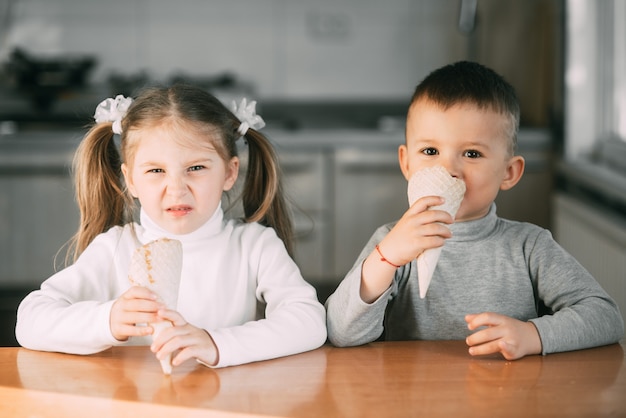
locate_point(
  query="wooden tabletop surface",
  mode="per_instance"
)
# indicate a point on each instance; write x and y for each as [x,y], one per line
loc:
[390,379]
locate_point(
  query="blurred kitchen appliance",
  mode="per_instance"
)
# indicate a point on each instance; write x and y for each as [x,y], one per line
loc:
[44,80]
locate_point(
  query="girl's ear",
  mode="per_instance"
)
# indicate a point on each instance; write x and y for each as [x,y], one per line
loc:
[514,172]
[128,180]
[232,172]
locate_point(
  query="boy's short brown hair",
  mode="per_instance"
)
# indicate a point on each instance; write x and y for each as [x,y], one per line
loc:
[473,83]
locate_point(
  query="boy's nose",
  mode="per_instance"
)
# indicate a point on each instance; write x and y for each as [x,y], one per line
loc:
[453,165]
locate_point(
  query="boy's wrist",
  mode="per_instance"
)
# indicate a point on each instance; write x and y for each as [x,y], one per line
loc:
[385,259]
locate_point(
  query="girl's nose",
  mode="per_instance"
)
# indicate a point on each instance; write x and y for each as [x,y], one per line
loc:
[176,185]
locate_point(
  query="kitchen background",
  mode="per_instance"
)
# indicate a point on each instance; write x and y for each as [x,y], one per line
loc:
[333,80]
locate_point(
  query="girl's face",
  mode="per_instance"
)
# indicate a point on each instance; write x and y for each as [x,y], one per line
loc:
[178,185]
[470,143]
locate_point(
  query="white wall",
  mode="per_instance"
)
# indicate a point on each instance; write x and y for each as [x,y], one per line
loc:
[286,48]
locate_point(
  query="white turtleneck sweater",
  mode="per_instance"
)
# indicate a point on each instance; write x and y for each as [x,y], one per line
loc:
[489,265]
[238,283]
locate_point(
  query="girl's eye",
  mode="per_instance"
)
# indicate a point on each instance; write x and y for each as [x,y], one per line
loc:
[430,151]
[155,170]
[196,167]
[472,154]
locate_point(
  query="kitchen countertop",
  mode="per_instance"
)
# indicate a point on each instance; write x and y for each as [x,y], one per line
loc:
[599,179]
[38,151]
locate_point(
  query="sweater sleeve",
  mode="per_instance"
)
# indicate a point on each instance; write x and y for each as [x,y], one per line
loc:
[582,314]
[292,318]
[350,320]
[70,312]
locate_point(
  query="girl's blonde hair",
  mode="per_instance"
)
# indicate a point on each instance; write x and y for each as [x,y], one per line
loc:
[102,196]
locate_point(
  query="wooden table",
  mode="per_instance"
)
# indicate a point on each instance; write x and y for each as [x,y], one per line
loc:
[419,378]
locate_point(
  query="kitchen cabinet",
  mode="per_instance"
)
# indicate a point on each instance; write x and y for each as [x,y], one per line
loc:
[38,213]
[370,191]
[306,185]
[39,216]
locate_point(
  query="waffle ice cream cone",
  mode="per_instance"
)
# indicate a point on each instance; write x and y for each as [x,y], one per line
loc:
[434,181]
[157,265]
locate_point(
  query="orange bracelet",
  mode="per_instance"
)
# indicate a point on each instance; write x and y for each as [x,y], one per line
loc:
[382,258]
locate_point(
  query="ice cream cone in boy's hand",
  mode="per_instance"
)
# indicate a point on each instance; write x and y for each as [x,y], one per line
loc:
[434,181]
[157,265]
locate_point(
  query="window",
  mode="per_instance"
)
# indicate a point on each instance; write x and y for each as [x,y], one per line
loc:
[595,75]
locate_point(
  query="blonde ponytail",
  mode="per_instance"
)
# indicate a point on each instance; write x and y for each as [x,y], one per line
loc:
[263,197]
[99,187]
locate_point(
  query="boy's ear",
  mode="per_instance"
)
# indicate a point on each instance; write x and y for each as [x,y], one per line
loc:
[514,172]
[403,159]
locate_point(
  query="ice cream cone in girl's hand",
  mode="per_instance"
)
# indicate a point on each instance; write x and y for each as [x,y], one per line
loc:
[434,181]
[157,265]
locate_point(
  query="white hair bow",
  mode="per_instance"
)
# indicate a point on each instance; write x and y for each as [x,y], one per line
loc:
[246,113]
[113,110]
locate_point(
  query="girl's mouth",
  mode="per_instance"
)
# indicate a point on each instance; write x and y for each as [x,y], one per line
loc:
[179,210]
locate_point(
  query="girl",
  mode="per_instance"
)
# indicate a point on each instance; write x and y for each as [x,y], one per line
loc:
[241,297]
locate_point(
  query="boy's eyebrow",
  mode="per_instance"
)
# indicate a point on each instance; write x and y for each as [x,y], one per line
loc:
[478,144]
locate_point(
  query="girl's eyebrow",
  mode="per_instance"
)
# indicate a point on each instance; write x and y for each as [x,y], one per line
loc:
[200,161]
[187,163]
[148,164]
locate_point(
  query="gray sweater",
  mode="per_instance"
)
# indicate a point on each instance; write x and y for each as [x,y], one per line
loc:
[490,264]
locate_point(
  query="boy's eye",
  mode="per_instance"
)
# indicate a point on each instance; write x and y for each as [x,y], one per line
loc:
[196,167]
[472,154]
[155,170]
[430,151]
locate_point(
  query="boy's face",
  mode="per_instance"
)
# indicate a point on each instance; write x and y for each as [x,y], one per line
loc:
[470,143]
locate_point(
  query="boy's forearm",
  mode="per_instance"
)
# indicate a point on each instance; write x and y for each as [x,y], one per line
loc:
[376,277]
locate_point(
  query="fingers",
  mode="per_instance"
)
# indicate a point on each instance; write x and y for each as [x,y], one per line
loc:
[174,317]
[510,337]
[418,230]
[139,330]
[488,340]
[485,319]
[180,327]
[138,305]
[139,292]
[423,206]
[189,341]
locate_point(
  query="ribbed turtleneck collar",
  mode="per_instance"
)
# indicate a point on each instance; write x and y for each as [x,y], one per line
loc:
[212,227]
[476,229]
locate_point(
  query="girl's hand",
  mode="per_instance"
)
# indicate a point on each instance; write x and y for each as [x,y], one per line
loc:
[137,305]
[189,341]
[418,230]
[510,337]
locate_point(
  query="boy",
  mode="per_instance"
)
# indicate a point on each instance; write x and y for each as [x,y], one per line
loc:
[503,286]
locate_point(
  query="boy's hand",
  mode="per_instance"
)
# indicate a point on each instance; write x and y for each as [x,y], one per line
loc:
[138,305]
[510,337]
[418,230]
[189,341]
